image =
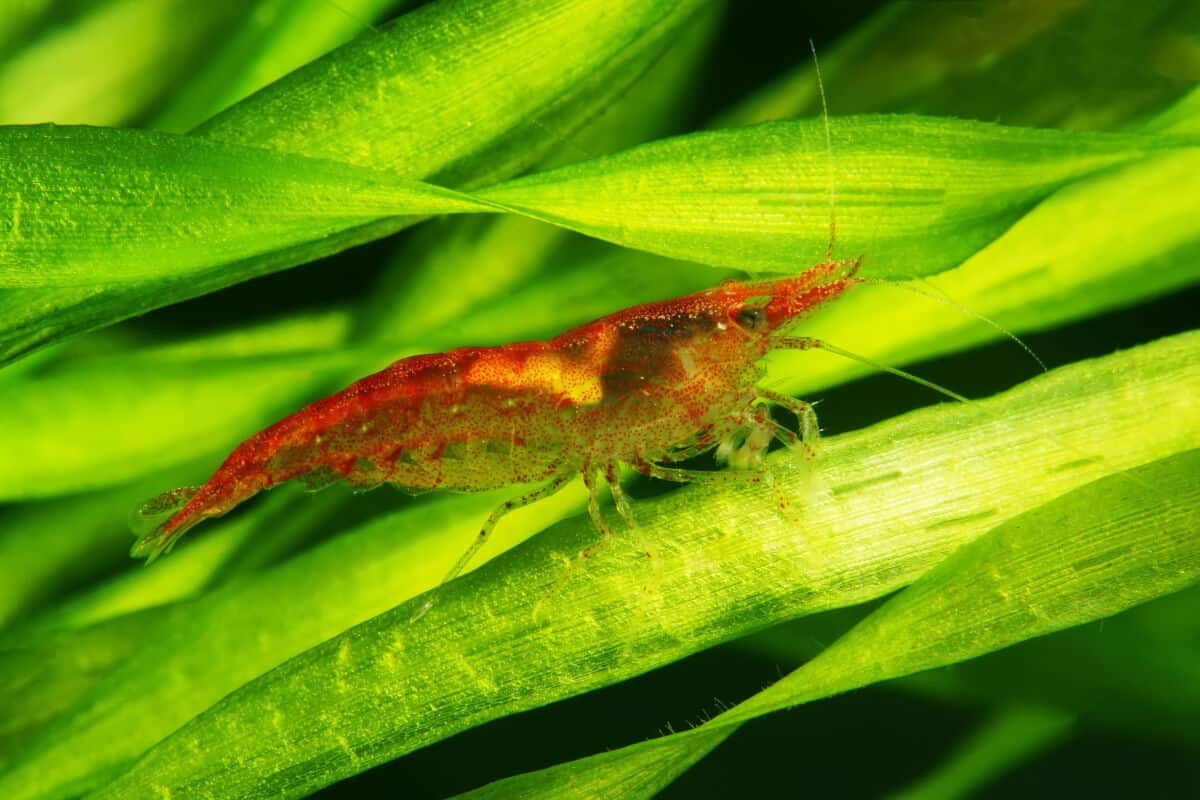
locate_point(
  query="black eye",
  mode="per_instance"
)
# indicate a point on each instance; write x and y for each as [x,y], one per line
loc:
[752,318]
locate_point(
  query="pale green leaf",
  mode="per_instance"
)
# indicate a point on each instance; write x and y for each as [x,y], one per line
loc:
[1014,735]
[273,38]
[93,206]
[726,561]
[1060,564]
[1059,63]
[73,74]
[177,671]
[928,192]
[358,105]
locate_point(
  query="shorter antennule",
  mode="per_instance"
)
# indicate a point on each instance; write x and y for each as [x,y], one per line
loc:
[946,301]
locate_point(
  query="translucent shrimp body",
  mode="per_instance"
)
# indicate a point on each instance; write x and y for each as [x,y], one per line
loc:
[642,387]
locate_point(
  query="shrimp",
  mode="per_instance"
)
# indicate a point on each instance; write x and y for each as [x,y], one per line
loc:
[643,388]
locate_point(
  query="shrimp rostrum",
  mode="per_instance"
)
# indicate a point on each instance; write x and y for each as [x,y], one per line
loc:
[644,387]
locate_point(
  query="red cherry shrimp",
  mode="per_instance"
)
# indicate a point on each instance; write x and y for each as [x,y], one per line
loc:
[645,388]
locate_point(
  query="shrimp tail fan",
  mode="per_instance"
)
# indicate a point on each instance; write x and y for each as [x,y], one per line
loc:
[149,522]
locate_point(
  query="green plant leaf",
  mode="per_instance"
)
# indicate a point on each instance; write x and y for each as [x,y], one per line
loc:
[1137,674]
[1064,563]
[50,548]
[927,191]
[1059,64]
[273,38]
[134,590]
[869,525]
[349,579]
[147,205]
[42,678]
[72,74]
[152,205]
[1012,736]
[357,105]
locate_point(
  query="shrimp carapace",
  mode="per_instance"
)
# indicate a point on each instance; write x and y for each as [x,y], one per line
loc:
[642,387]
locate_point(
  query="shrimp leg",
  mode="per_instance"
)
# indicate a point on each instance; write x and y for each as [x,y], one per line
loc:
[680,475]
[787,437]
[594,482]
[612,473]
[806,418]
[591,481]
[540,493]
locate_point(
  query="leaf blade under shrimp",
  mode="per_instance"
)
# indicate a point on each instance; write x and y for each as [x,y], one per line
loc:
[1062,564]
[329,700]
[177,411]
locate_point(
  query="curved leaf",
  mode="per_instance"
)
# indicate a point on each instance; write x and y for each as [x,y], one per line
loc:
[273,38]
[1061,564]
[358,105]
[727,562]
[146,205]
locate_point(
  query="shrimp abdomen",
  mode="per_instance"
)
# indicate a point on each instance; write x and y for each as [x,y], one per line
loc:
[423,423]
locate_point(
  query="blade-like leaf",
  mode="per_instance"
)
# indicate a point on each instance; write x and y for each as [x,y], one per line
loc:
[150,205]
[146,205]
[725,562]
[1064,563]
[73,74]
[358,105]
[1137,674]
[51,547]
[1014,735]
[274,38]
[348,580]
[928,192]
[137,589]
[43,678]
[1061,63]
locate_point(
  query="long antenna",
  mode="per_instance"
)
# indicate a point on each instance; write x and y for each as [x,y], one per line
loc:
[946,301]
[833,229]
[806,343]
[828,154]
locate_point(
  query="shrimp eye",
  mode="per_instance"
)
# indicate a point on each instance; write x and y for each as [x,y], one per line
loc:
[752,318]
